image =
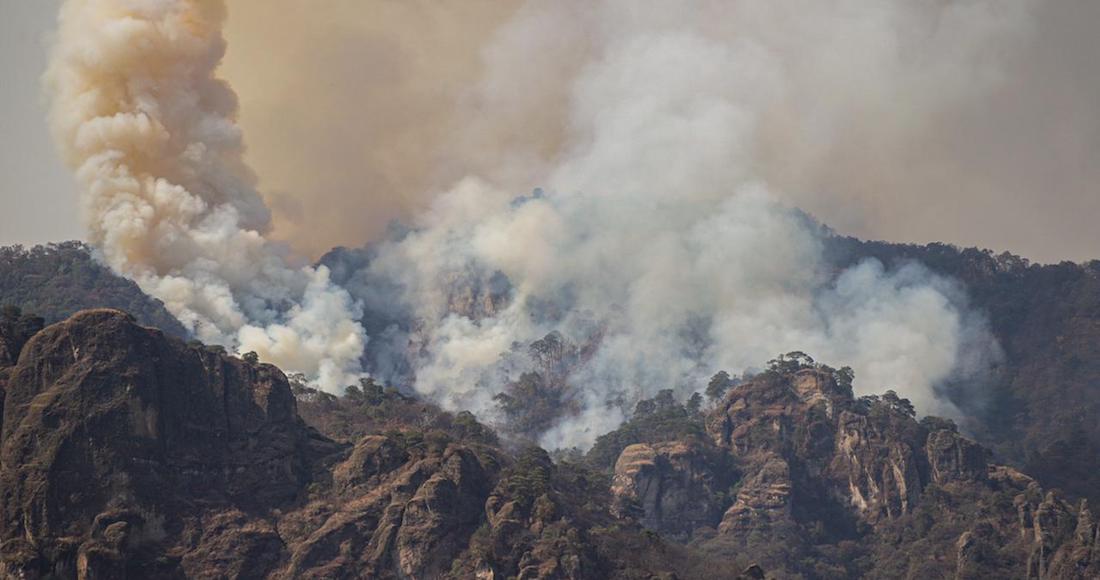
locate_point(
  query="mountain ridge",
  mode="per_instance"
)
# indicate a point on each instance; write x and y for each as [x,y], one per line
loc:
[201,466]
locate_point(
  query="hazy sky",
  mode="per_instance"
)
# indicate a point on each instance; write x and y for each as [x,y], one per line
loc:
[364,93]
[37,194]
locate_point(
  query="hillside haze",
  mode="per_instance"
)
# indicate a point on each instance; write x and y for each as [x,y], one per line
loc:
[785,469]
[200,465]
[512,289]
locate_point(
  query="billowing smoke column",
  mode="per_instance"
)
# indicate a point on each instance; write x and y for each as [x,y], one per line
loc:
[150,130]
[660,246]
[664,247]
[664,292]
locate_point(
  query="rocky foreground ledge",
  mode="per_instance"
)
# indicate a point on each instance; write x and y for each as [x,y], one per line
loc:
[129,454]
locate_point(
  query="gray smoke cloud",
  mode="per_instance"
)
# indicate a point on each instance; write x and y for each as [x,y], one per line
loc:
[664,293]
[970,122]
[666,243]
[673,142]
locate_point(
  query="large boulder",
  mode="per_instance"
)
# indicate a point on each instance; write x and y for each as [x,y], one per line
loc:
[952,457]
[675,487]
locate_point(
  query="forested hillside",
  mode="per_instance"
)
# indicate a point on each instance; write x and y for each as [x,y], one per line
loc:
[56,280]
[785,468]
[1039,409]
[127,453]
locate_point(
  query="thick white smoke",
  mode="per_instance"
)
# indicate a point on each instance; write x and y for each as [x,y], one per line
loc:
[672,140]
[662,239]
[139,113]
[669,291]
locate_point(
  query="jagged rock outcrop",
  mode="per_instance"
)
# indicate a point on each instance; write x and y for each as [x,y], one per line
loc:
[880,470]
[889,471]
[406,513]
[114,437]
[763,502]
[952,457]
[1038,409]
[1082,557]
[126,453]
[529,535]
[803,429]
[822,472]
[672,487]
[1063,541]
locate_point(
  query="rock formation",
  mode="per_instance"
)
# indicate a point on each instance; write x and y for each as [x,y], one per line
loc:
[822,471]
[672,487]
[126,453]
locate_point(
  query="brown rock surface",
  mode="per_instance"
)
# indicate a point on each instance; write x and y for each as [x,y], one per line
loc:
[129,454]
[952,457]
[675,486]
[111,426]
[823,473]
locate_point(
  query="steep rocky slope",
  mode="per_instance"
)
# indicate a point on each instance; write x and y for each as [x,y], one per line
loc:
[122,449]
[1047,320]
[832,486]
[128,454]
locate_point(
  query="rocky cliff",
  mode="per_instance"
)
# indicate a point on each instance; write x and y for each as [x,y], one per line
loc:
[835,486]
[126,453]
[121,446]
[1046,317]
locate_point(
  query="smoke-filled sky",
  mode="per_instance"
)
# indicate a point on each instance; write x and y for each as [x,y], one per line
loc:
[674,142]
[348,109]
[1002,151]
[37,196]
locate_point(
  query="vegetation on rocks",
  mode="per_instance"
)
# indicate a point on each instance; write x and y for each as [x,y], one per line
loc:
[125,452]
[55,281]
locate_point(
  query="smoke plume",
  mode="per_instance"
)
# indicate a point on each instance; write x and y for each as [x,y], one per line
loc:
[970,122]
[364,93]
[673,143]
[150,131]
[665,244]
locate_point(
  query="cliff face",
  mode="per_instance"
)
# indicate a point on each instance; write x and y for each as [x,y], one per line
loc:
[116,438]
[673,487]
[823,473]
[129,454]
[397,511]
[125,453]
[1047,320]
